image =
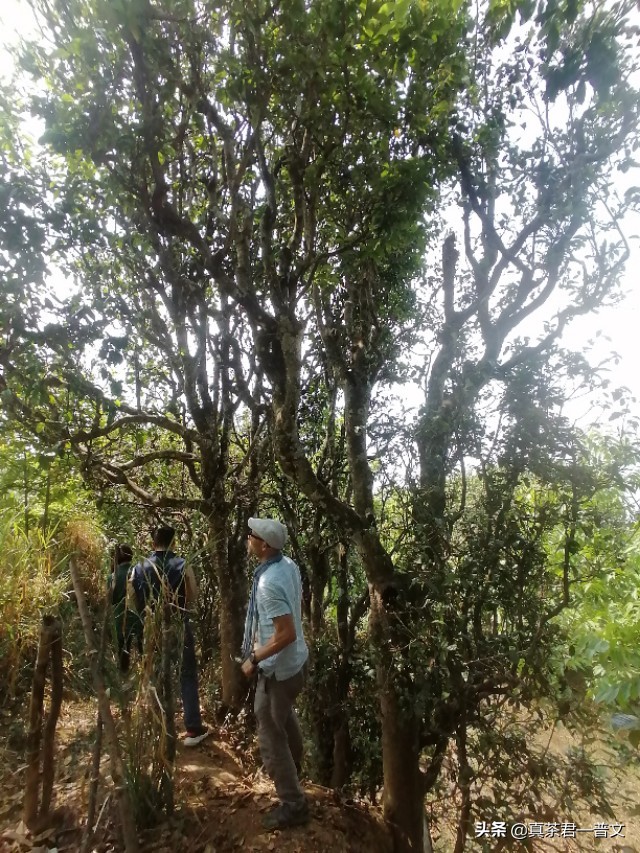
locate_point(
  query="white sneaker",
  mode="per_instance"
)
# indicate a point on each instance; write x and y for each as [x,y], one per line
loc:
[194,738]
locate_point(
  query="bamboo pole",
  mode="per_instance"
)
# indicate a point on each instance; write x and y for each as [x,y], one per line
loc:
[127,819]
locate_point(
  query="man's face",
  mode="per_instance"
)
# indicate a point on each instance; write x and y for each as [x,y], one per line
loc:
[255,545]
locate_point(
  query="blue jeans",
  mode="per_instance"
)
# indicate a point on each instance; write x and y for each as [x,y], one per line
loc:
[189,681]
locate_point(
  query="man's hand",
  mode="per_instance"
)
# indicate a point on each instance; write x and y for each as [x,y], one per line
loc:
[283,635]
[248,668]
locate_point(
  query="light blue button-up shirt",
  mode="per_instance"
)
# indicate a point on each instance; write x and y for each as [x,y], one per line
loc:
[280,593]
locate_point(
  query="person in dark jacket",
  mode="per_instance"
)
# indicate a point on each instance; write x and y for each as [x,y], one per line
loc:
[163,573]
[128,623]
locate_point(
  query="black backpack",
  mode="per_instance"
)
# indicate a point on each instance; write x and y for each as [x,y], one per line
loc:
[157,574]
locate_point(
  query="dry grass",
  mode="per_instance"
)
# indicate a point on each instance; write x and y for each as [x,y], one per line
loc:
[84,539]
[32,583]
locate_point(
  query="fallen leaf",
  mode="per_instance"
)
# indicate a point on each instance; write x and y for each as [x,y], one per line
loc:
[22,828]
[21,840]
[45,834]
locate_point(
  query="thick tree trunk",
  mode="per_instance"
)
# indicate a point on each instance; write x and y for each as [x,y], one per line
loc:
[233,599]
[320,571]
[340,718]
[403,787]
[404,796]
[403,791]
[127,819]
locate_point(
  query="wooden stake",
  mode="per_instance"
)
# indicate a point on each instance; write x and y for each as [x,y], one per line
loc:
[118,775]
[32,781]
[48,746]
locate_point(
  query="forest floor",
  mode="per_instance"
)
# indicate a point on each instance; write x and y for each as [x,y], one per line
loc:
[221,797]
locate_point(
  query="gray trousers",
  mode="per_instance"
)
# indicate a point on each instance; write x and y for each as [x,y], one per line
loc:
[279,735]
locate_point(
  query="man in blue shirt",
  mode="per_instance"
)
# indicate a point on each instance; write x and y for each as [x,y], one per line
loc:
[274,649]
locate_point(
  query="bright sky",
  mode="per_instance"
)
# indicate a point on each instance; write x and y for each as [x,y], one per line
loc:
[615,329]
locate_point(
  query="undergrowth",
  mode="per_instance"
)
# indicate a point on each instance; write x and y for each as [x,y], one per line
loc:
[35,582]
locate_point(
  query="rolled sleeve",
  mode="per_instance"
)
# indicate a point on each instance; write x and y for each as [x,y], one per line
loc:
[274,602]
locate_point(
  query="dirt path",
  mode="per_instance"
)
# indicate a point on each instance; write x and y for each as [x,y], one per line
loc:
[221,797]
[220,800]
[227,804]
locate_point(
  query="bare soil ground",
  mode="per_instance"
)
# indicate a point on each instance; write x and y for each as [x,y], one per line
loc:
[220,800]
[221,797]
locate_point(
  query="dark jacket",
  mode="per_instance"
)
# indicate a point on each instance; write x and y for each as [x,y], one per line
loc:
[160,572]
[128,622]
